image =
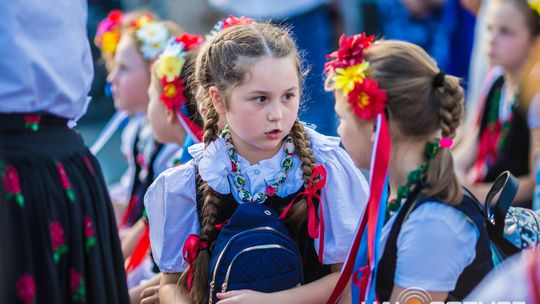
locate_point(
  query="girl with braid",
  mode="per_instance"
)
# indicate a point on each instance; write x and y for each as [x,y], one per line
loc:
[433,238]
[251,76]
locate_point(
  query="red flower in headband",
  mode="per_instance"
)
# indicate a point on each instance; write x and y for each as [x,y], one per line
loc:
[350,52]
[233,21]
[115,16]
[367,99]
[172,94]
[108,32]
[190,41]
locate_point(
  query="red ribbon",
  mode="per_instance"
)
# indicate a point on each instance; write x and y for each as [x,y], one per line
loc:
[366,272]
[309,193]
[190,251]
[369,219]
[534,279]
[221,225]
[197,131]
[140,252]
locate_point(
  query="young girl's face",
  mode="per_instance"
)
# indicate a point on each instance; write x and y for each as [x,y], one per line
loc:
[509,39]
[262,110]
[356,135]
[130,77]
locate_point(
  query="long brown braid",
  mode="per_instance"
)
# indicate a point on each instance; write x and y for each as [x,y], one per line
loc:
[419,108]
[224,62]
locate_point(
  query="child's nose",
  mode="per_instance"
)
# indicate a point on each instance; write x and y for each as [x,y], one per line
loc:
[275,111]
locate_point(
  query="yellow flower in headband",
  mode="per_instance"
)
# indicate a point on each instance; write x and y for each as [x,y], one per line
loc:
[535,5]
[170,66]
[347,77]
[109,41]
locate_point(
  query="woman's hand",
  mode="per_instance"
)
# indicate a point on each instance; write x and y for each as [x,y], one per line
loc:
[244,296]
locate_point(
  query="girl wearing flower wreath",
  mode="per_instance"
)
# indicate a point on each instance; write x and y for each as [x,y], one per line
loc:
[501,138]
[134,41]
[251,75]
[433,236]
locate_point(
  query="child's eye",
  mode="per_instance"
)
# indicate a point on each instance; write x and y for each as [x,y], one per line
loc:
[259,99]
[506,31]
[289,96]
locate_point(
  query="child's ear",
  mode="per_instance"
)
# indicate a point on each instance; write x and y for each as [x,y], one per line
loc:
[218,100]
[171,117]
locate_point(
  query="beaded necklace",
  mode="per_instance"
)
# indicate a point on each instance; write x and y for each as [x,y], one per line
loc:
[417,175]
[240,179]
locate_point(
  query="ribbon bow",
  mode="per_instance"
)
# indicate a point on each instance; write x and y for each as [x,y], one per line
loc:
[309,193]
[190,251]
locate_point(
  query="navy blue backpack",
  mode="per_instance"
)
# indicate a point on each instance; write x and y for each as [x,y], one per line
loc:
[254,251]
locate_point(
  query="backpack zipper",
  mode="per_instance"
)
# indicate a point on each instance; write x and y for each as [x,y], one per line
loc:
[212,283]
[259,247]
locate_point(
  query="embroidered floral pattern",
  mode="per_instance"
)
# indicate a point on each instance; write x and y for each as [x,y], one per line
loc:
[26,288]
[78,286]
[12,183]
[240,180]
[58,241]
[32,122]
[65,181]
[89,232]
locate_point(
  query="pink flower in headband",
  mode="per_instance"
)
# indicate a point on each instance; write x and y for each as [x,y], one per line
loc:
[233,21]
[350,52]
[108,32]
[226,23]
[367,99]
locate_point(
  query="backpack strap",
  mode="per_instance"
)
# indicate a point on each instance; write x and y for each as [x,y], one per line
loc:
[507,185]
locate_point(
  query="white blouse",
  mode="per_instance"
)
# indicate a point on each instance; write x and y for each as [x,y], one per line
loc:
[435,244]
[172,209]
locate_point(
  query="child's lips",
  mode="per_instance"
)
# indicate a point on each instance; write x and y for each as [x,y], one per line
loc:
[274,134]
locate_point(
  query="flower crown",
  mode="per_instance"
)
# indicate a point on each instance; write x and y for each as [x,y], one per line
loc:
[170,64]
[535,6]
[108,32]
[152,36]
[350,75]
[228,22]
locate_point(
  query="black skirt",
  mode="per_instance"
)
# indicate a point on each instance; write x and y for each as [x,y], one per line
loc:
[58,237]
